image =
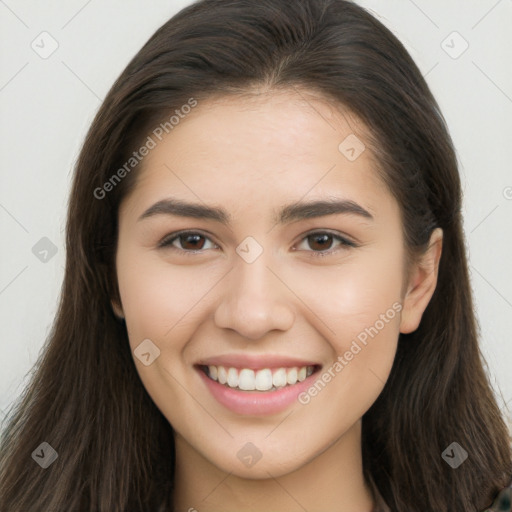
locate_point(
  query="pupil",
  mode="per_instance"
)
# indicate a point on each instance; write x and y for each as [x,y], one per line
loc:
[324,237]
[195,238]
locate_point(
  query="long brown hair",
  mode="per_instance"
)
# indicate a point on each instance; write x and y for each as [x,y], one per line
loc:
[115,449]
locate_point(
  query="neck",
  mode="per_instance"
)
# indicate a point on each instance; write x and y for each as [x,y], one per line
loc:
[332,480]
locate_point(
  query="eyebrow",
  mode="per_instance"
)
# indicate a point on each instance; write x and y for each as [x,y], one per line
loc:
[289,213]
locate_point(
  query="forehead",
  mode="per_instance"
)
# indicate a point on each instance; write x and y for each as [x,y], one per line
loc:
[262,147]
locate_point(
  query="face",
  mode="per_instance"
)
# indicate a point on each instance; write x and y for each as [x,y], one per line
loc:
[285,279]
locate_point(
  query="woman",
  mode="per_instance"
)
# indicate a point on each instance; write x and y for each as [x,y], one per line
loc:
[266,303]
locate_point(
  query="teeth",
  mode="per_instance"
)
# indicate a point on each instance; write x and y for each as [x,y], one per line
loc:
[213,372]
[222,374]
[263,380]
[260,380]
[279,378]
[291,376]
[246,380]
[232,378]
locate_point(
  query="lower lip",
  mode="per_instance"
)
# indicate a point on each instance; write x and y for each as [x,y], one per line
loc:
[256,402]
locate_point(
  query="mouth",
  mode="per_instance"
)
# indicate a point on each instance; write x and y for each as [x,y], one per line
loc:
[265,379]
[247,387]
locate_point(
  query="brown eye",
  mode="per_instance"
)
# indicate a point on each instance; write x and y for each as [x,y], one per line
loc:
[188,242]
[321,243]
[191,242]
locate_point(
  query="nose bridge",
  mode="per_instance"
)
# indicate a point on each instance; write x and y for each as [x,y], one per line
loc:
[254,281]
[254,301]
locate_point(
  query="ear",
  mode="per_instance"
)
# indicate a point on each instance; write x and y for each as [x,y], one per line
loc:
[422,284]
[118,309]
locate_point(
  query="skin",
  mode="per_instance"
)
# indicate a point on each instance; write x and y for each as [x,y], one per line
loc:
[252,156]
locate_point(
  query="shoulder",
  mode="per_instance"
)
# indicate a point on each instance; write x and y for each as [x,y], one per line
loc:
[502,501]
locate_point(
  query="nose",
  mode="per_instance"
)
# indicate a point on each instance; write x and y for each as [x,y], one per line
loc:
[254,300]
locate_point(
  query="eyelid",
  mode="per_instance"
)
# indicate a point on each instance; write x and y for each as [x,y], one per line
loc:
[345,242]
[166,242]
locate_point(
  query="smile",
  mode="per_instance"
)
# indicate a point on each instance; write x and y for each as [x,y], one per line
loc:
[265,379]
[256,386]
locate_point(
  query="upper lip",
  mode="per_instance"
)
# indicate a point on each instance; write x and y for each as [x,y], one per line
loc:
[255,362]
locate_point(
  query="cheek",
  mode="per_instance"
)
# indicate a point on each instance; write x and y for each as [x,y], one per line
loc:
[351,296]
[156,296]
[357,309]
[366,299]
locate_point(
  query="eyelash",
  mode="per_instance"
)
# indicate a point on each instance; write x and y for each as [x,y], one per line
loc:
[166,243]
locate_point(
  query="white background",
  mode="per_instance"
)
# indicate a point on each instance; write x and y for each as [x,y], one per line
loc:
[47,105]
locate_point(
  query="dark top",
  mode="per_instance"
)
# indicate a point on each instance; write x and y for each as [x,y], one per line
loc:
[502,502]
